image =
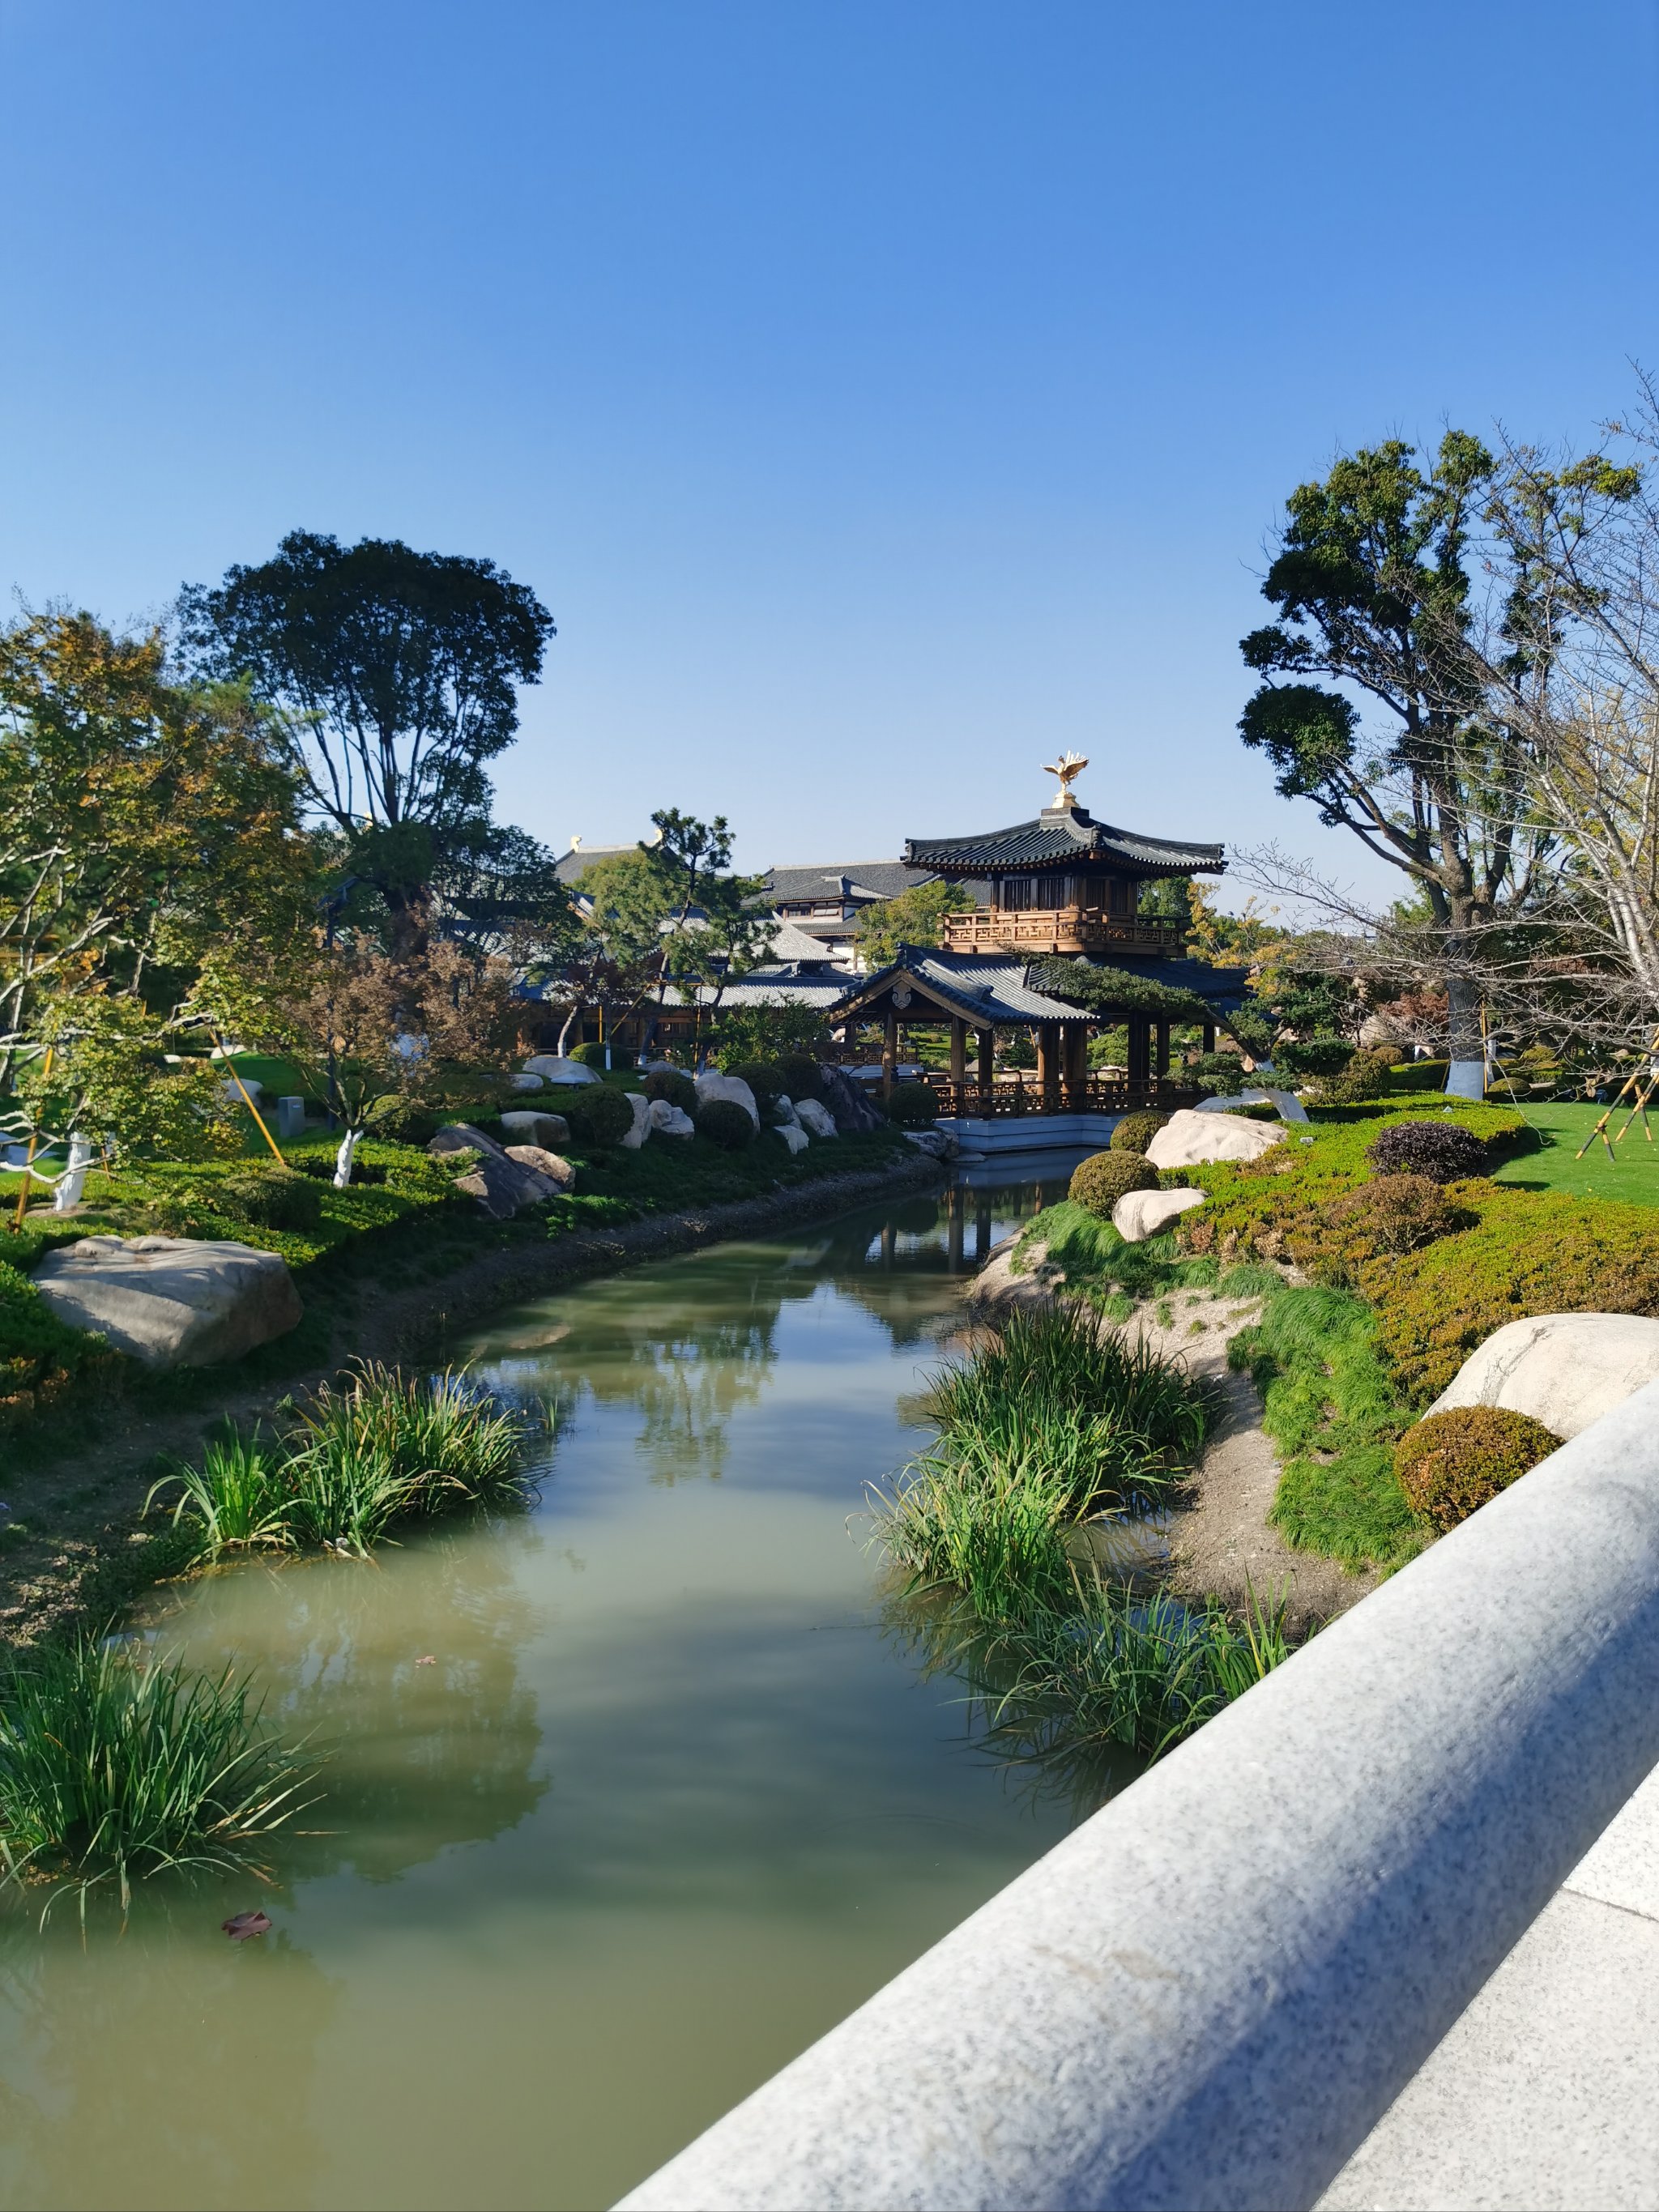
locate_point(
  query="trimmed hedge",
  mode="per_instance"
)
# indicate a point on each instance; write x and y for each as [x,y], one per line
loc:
[803,1077]
[1135,1132]
[1439,1149]
[677,1089]
[599,1115]
[40,1356]
[1453,1463]
[765,1078]
[1099,1182]
[273,1198]
[725,1123]
[912,1105]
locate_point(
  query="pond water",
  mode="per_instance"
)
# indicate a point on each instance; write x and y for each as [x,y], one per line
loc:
[671,1798]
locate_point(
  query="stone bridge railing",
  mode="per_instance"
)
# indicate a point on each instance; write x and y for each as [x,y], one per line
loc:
[1210,1991]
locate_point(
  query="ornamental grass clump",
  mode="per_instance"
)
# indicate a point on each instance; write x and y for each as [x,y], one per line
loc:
[115,1765]
[1099,1182]
[1453,1463]
[1135,1132]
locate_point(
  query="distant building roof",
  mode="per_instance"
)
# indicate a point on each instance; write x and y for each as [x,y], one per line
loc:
[865,879]
[571,867]
[796,946]
[987,989]
[1061,835]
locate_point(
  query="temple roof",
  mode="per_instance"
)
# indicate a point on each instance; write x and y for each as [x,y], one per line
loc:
[1061,836]
[989,990]
[865,880]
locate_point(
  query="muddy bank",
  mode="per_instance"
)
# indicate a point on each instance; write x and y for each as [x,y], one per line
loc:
[80,1553]
[1221,1542]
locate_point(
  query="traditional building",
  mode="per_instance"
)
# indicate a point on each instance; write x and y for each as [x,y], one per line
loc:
[825,902]
[1061,886]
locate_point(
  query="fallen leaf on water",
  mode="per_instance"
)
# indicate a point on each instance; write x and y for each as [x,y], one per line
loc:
[427,1659]
[241,1925]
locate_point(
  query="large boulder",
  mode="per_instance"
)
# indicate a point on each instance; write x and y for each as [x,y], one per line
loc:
[668,1119]
[553,1067]
[528,1081]
[712,1085]
[1139,1214]
[462,1137]
[171,1301]
[558,1171]
[550,1130]
[1565,1370]
[1189,1139]
[640,1106]
[1291,1108]
[937,1144]
[792,1134]
[816,1118]
[503,1185]
[850,1106]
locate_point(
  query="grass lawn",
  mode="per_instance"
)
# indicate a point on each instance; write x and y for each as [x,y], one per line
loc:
[1632,1175]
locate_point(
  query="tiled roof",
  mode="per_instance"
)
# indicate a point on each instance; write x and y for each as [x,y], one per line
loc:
[793,944]
[571,867]
[986,988]
[1058,838]
[869,879]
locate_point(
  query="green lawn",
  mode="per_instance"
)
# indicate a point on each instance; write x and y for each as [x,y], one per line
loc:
[1632,1174]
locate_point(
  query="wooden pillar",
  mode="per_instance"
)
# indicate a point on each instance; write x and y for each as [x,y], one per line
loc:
[1163,1050]
[889,1049]
[1049,1064]
[987,1065]
[1141,1050]
[959,1050]
[1074,1049]
[1209,1036]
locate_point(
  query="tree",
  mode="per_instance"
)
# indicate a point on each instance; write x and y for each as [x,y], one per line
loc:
[627,901]
[395,674]
[1373,587]
[141,819]
[915,916]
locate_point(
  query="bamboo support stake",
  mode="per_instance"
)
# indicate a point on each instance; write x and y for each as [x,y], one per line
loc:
[1601,1129]
[1641,1108]
[29,1158]
[275,1148]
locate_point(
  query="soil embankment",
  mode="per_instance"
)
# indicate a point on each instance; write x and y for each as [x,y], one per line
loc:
[79,1550]
[1221,1543]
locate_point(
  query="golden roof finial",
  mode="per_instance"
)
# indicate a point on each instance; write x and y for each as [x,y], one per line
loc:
[1067,768]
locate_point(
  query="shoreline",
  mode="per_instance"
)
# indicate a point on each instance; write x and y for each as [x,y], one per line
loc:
[97,1560]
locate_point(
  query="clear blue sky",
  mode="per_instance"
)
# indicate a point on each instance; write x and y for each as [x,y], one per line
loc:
[881,396]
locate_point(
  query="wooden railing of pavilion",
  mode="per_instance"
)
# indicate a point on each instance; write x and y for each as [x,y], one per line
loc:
[1099,1094]
[1059,929]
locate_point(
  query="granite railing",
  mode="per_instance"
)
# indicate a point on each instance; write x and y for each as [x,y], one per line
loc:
[1210,1991]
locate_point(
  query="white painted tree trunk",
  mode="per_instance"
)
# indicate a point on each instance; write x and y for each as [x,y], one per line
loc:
[73,1181]
[344,1157]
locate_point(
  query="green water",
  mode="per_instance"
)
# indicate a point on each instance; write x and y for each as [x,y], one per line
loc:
[671,1798]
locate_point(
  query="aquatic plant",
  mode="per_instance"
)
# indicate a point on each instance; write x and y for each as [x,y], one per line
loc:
[238,1495]
[976,1518]
[115,1765]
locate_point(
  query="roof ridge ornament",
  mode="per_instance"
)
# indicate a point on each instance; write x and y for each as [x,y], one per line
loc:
[1067,768]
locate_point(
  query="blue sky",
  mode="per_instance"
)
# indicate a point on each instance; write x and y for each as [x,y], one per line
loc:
[881,397]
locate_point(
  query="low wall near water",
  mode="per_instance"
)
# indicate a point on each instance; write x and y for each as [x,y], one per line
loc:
[1029,1132]
[1210,1991]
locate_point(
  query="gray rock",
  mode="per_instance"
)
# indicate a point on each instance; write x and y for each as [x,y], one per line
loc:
[559,1172]
[550,1130]
[939,1143]
[668,1119]
[462,1137]
[851,1109]
[640,1106]
[1565,1370]
[1189,1139]
[712,1085]
[503,1185]
[815,1117]
[171,1301]
[1139,1214]
[528,1081]
[552,1067]
[792,1134]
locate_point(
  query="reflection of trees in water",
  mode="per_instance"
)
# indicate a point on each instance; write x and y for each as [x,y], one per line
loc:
[1037,1744]
[129,2086]
[688,1383]
[420,1757]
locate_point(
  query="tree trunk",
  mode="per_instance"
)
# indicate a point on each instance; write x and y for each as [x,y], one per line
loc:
[345,1158]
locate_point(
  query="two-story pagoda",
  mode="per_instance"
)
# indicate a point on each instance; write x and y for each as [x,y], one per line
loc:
[1063,885]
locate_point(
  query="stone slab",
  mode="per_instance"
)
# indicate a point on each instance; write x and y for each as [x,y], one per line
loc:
[171,1301]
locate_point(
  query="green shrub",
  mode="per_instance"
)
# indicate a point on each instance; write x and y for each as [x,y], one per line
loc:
[1320,1055]
[1439,1149]
[1100,1180]
[275,1198]
[114,1765]
[725,1123]
[803,1077]
[1219,1074]
[599,1115]
[1364,1076]
[40,1356]
[593,1055]
[1453,1463]
[1135,1132]
[403,1122]
[670,1084]
[1391,1215]
[765,1078]
[912,1105]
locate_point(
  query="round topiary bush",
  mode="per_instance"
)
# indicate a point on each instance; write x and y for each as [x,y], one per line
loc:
[1099,1182]
[802,1076]
[725,1123]
[1136,1131]
[1454,1463]
[272,1198]
[677,1089]
[765,1078]
[593,1055]
[1398,1213]
[599,1115]
[1439,1149]
[912,1105]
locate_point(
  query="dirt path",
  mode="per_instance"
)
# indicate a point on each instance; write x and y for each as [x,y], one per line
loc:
[79,1551]
[1221,1542]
